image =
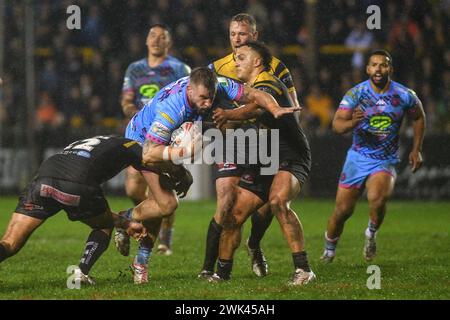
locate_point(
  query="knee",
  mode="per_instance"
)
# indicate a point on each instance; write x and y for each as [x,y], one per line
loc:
[11,247]
[232,221]
[168,206]
[135,191]
[377,200]
[278,205]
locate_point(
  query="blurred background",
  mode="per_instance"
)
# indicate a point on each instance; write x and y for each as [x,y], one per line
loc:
[59,85]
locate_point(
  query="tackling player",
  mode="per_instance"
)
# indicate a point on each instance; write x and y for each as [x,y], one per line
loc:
[70,181]
[373,110]
[268,191]
[143,79]
[181,101]
[242,29]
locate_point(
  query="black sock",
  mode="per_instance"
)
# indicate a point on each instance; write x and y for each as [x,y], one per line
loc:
[259,226]
[224,268]
[212,245]
[301,261]
[96,244]
[3,253]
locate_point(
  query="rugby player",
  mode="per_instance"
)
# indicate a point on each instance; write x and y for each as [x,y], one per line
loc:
[242,29]
[373,110]
[143,79]
[183,100]
[70,181]
[271,191]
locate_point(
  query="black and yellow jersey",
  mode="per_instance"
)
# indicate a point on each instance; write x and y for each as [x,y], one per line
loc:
[292,136]
[227,67]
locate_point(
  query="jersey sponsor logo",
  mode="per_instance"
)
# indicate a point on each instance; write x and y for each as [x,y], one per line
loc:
[62,197]
[31,206]
[129,144]
[380,122]
[167,117]
[222,81]
[149,90]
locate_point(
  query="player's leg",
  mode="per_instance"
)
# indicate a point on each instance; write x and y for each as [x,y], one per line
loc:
[226,193]
[96,244]
[19,229]
[346,199]
[351,181]
[261,221]
[162,203]
[165,235]
[246,202]
[285,187]
[135,188]
[135,185]
[379,189]
[31,211]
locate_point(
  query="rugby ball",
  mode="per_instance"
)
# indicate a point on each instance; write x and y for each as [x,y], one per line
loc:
[182,137]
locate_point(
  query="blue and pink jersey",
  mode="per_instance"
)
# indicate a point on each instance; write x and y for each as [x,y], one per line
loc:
[145,81]
[377,135]
[170,108]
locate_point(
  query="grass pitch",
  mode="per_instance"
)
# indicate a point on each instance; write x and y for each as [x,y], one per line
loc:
[413,256]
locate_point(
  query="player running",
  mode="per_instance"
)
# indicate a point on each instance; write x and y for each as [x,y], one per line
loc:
[181,101]
[70,181]
[373,110]
[242,29]
[143,79]
[275,191]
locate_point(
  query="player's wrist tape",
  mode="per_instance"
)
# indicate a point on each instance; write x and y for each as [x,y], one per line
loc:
[166,153]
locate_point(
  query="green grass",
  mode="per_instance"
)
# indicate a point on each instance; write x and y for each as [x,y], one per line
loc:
[413,244]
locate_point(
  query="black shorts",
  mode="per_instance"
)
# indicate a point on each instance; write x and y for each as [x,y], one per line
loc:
[227,169]
[44,197]
[253,181]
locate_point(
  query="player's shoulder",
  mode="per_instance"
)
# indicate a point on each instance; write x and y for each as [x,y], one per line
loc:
[138,64]
[402,90]
[225,66]
[277,66]
[268,80]
[359,88]
[176,62]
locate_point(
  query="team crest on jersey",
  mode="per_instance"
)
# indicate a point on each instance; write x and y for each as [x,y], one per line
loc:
[395,100]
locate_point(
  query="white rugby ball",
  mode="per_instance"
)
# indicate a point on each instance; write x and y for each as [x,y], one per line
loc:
[182,137]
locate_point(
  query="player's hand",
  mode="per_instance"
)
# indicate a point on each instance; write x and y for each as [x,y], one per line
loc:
[357,116]
[220,117]
[415,160]
[279,112]
[136,230]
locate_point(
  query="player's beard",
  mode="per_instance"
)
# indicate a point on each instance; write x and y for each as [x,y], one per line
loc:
[380,83]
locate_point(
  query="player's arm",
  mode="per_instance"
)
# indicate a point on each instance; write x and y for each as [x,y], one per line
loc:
[254,99]
[244,112]
[128,94]
[346,120]
[417,115]
[127,103]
